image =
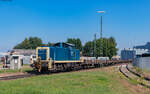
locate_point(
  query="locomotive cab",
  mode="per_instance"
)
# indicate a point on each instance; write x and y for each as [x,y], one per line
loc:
[43,61]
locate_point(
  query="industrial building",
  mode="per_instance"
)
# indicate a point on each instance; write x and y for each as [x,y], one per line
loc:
[140,57]
[131,54]
[17,57]
[146,46]
[25,53]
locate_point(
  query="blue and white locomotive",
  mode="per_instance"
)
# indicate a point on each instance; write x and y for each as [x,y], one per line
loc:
[61,56]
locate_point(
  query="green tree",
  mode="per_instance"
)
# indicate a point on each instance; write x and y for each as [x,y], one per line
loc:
[104,47]
[35,42]
[29,43]
[112,47]
[76,42]
[88,49]
[50,44]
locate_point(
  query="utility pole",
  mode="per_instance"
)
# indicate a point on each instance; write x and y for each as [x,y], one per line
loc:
[101,32]
[101,36]
[95,45]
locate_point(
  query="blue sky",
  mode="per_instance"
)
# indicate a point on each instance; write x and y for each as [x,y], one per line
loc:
[56,20]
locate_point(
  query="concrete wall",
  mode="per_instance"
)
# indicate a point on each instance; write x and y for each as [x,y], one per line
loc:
[142,62]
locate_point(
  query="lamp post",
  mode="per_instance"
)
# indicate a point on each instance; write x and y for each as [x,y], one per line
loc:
[101,31]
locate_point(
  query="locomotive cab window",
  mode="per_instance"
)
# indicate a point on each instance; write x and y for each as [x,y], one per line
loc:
[42,53]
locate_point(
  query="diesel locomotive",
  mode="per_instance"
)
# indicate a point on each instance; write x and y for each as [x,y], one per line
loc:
[61,56]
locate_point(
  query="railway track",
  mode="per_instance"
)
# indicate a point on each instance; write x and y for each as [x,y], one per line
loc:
[33,73]
[129,67]
[125,70]
[16,76]
[127,73]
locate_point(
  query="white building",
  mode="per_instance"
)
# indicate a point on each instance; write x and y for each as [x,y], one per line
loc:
[14,61]
[17,57]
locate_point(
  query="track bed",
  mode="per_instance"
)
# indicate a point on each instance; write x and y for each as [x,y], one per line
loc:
[125,70]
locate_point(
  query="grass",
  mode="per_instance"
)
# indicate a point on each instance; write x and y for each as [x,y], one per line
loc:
[91,82]
[96,81]
[25,68]
[146,71]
